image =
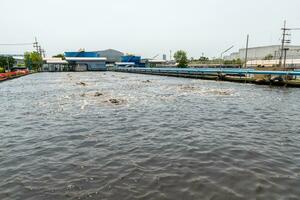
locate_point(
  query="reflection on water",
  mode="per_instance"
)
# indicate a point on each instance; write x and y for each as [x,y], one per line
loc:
[128,136]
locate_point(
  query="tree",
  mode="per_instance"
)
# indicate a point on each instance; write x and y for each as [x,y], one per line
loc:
[238,61]
[33,60]
[7,61]
[181,58]
[62,56]
[27,60]
[203,59]
[268,57]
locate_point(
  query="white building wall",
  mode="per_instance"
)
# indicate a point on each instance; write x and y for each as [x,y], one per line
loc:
[258,53]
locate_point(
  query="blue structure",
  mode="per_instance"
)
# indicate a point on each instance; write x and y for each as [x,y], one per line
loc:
[82,54]
[133,59]
[86,61]
[211,71]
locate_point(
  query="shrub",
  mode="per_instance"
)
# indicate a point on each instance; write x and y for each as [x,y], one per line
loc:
[2,70]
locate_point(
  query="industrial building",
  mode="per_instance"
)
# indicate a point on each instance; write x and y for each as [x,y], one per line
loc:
[137,61]
[290,63]
[155,63]
[131,61]
[111,55]
[55,65]
[86,61]
[125,64]
[260,53]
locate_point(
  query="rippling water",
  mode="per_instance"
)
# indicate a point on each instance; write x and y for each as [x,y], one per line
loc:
[128,136]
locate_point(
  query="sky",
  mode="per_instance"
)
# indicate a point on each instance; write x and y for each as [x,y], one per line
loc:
[145,27]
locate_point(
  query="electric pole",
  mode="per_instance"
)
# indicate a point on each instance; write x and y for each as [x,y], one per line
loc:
[36,45]
[43,53]
[38,48]
[283,50]
[284,60]
[246,54]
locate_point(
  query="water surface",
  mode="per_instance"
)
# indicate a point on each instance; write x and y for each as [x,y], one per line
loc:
[108,135]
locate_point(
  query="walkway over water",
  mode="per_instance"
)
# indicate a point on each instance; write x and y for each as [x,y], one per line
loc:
[214,71]
[115,136]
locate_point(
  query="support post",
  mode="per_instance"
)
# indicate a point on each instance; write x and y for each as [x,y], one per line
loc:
[282,44]
[246,54]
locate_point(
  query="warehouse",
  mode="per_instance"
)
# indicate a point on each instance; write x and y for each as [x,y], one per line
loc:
[134,61]
[86,61]
[260,53]
[290,63]
[55,65]
[155,63]
[111,55]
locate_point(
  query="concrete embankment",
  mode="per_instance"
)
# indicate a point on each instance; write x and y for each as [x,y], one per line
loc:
[276,78]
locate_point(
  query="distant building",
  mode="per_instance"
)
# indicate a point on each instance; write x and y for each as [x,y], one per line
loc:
[19,58]
[156,63]
[125,64]
[137,61]
[111,55]
[79,54]
[55,65]
[259,53]
[86,61]
[290,63]
[164,57]
[133,59]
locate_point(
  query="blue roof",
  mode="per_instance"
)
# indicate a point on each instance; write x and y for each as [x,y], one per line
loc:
[82,54]
[135,59]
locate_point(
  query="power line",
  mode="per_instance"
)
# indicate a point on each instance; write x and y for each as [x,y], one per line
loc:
[293,29]
[17,44]
[38,48]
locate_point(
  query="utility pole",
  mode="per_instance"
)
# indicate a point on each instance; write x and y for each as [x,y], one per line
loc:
[246,54]
[38,48]
[284,60]
[43,53]
[36,45]
[283,42]
[283,50]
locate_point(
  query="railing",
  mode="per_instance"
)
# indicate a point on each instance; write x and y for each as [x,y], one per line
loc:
[210,71]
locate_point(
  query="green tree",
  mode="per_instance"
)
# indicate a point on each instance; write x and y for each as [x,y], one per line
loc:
[203,59]
[33,60]
[181,58]
[233,62]
[62,56]
[27,60]
[229,62]
[238,61]
[268,57]
[7,61]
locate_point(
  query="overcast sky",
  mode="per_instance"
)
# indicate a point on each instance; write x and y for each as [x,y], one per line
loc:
[145,27]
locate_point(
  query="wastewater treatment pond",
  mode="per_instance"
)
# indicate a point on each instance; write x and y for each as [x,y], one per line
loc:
[108,135]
